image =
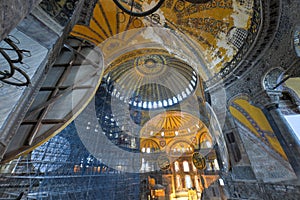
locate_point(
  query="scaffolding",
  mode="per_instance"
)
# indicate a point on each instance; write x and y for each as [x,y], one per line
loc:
[62,168]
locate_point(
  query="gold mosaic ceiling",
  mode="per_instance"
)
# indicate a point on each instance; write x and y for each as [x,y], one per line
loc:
[219,27]
[171,124]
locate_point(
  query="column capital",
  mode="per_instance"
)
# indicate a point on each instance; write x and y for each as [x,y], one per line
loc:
[267,99]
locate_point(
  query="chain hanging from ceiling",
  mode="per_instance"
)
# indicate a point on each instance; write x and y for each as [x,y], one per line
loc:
[10,55]
[136,9]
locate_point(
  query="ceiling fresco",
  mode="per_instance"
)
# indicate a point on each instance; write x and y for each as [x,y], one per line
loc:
[172,124]
[221,30]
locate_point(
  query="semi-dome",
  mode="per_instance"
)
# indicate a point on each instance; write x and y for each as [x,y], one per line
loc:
[172,124]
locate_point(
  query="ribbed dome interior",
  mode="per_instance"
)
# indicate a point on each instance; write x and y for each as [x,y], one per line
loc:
[151,79]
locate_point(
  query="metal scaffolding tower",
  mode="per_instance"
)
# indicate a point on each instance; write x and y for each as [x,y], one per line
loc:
[62,168]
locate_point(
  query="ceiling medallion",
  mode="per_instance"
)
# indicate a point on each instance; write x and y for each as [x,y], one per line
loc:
[150,65]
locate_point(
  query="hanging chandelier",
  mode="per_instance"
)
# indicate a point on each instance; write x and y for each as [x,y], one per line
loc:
[138,8]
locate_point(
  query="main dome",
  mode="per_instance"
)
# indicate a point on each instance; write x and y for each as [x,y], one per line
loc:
[150,79]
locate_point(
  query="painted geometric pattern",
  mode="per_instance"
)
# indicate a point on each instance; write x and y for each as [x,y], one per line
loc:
[256,122]
[209,25]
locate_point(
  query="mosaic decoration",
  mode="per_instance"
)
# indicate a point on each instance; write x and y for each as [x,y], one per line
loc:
[222,29]
[255,121]
[59,10]
[199,161]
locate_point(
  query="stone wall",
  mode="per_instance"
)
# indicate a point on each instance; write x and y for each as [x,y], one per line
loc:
[259,191]
[12,12]
[267,165]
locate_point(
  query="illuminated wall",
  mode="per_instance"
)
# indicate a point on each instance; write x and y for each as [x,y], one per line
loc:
[294,84]
[267,157]
[256,122]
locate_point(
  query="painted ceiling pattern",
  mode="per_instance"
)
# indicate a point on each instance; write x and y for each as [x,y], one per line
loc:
[172,124]
[219,28]
[150,79]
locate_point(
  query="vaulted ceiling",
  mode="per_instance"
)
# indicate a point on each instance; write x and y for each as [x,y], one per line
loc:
[221,31]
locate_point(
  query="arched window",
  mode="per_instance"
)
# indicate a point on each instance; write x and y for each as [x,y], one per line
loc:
[145,104]
[237,36]
[181,147]
[186,167]
[208,144]
[188,181]
[205,142]
[176,166]
[197,185]
[179,97]
[159,104]
[143,165]
[188,91]
[178,183]
[209,166]
[216,165]
[140,104]
[165,103]
[170,102]
[175,100]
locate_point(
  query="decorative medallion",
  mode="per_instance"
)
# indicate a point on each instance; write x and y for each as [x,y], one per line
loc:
[199,161]
[163,162]
[150,65]
[162,143]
